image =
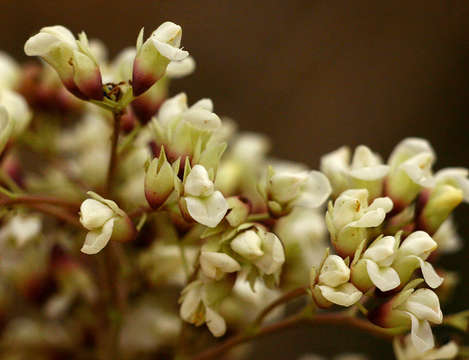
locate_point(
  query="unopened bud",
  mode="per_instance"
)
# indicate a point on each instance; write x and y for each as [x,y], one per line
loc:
[440,203]
[159,181]
[238,211]
[154,55]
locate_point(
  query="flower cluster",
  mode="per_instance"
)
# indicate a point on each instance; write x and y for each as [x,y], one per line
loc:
[125,209]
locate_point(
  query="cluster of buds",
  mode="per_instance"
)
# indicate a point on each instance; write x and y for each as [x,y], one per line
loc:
[381,225]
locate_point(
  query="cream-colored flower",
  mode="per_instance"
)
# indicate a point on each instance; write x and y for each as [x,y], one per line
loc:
[333,283]
[350,217]
[102,217]
[73,60]
[365,170]
[404,349]
[205,205]
[375,265]
[412,254]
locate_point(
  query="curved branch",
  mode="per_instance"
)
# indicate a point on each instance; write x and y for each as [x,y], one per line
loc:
[341,318]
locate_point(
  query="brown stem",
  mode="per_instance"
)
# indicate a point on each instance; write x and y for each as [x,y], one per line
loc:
[326,319]
[40,199]
[281,300]
[140,211]
[58,213]
[113,158]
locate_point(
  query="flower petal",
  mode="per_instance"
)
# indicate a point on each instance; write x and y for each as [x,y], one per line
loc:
[344,295]
[93,214]
[385,278]
[315,191]
[96,240]
[198,183]
[421,334]
[208,211]
[215,322]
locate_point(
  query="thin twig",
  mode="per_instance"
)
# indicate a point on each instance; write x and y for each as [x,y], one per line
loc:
[281,300]
[113,157]
[340,318]
[56,212]
[40,199]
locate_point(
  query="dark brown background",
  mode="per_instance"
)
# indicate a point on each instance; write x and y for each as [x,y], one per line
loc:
[311,74]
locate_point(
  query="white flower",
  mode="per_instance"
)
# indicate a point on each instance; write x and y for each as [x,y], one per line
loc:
[215,264]
[248,244]
[101,217]
[377,260]
[18,110]
[205,205]
[264,249]
[412,254]
[365,170]
[9,71]
[22,228]
[6,127]
[411,162]
[154,55]
[178,69]
[306,189]
[350,216]
[422,307]
[73,60]
[197,308]
[274,256]
[187,131]
[405,350]
[333,282]
[447,238]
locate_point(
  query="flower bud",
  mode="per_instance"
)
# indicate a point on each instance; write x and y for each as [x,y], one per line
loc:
[105,221]
[248,244]
[72,59]
[215,264]
[457,177]
[350,217]
[238,211]
[154,55]
[159,181]
[146,105]
[439,204]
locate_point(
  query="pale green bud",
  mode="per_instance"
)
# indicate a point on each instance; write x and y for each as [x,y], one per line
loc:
[238,211]
[440,203]
[159,181]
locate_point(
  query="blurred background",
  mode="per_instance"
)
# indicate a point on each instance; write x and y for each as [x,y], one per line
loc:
[311,74]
